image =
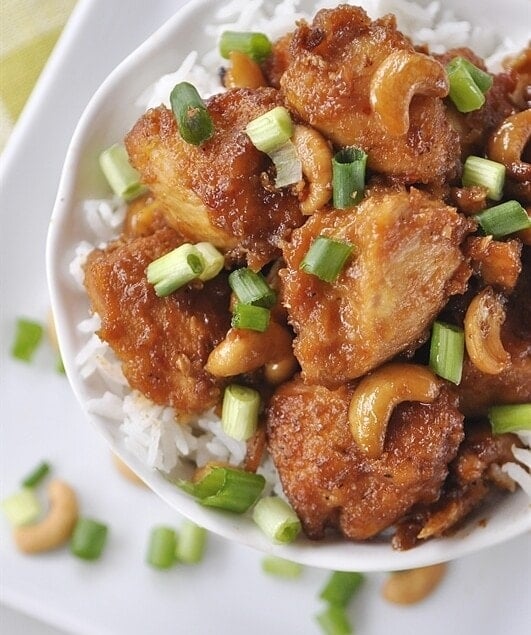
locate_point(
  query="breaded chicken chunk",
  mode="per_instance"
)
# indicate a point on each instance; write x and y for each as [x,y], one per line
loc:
[406,263]
[163,343]
[327,82]
[217,191]
[331,484]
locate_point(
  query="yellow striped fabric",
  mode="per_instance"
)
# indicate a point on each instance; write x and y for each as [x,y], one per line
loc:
[28,32]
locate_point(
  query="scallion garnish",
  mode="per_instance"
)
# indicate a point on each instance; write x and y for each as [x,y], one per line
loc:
[510,418]
[192,116]
[191,543]
[22,508]
[270,131]
[239,412]
[251,287]
[280,567]
[36,475]
[88,539]
[213,260]
[447,351]
[486,173]
[161,547]
[348,177]
[341,587]
[334,621]
[226,488]
[503,219]
[326,258]
[276,519]
[466,93]
[248,316]
[175,269]
[288,165]
[122,177]
[256,45]
[28,336]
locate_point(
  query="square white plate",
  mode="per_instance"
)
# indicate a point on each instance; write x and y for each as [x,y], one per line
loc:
[227,593]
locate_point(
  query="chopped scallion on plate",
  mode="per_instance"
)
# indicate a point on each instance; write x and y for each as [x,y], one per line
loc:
[280,567]
[161,547]
[122,177]
[88,539]
[191,114]
[270,131]
[468,84]
[485,173]
[348,177]
[334,621]
[510,418]
[447,350]
[326,258]
[191,543]
[341,587]
[251,287]
[22,507]
[503,219]
[36,475]
[256,45]
[248,316]
[276,519]
[28,336]
[239,412]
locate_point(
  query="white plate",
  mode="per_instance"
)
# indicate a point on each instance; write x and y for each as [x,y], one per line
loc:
[39,418]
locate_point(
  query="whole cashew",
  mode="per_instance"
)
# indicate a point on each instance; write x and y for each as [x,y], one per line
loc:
[316,158]
[408,587]
[483,320]
[507,145]
[243,73]
[401,75]
[378,393]
[54,530]
[244,350]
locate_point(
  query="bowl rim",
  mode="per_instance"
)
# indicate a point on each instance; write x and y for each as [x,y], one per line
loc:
[338,555]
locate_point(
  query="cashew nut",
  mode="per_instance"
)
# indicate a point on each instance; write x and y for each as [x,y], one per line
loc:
[316,158]
[57,527]
[244,350]
[401,75]
[483,320]
[408,587]
[378,393]
[508,143]
[278,372]
[243,73]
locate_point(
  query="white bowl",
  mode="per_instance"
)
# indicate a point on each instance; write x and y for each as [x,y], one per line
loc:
[109,115]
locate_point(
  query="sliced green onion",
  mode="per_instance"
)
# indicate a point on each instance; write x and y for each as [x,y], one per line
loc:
[276,519]
[270,131]
[334,621]
[464,91]
[22,508]
[280,567]
[227,488]
[256,45]
[175,269]
[252,288]
[239,412]
[348,177]
[503,219]
[447,349]
[28,336]
[287,164]
[486,173]
[192,116]
[36,475]
[122,177]
[191,543]
[248,316]
[341,587]
[88,539]
[213,260]
[161,547]
[326,258]
[482,79]
[510,418]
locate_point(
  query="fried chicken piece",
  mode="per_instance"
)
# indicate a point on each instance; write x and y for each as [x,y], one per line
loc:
[496,262]
[472,476]
[217,191]
[328,480]
[163,343]
[328,82]
[406,263]
[478,391]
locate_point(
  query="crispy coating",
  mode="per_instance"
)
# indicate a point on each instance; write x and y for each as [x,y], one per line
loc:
[327,83]
[331,483]
[406,263]
[216,191]
[163,343]
[477,391]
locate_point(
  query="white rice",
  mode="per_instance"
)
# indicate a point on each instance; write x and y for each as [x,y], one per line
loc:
[150,431]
